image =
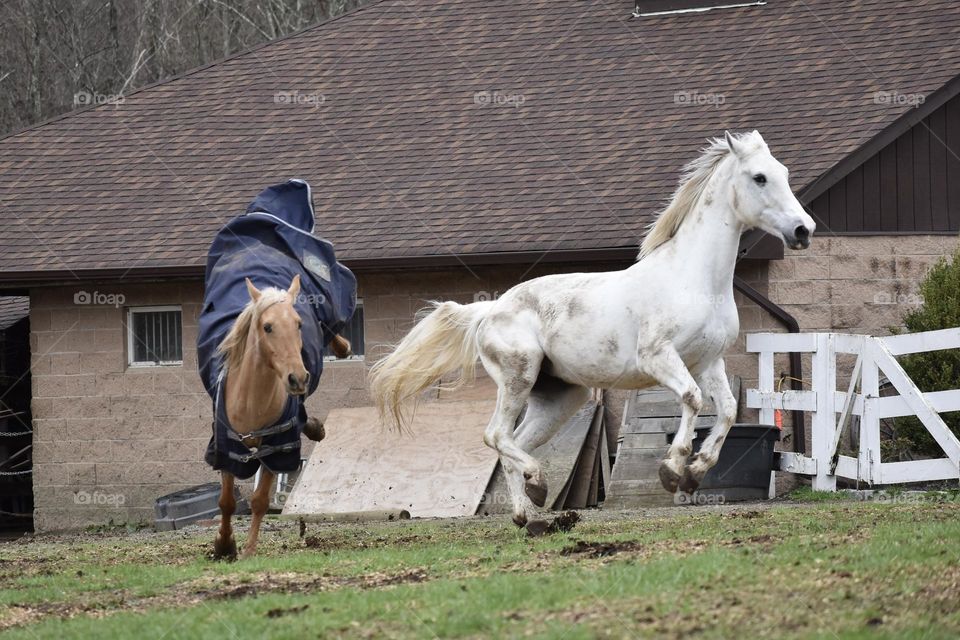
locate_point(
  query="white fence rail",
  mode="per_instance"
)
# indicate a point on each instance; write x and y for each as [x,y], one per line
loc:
[831,408]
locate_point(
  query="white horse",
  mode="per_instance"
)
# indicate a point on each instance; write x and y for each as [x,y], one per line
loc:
[667,320]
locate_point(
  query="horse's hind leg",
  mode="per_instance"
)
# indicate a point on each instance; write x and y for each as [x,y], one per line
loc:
[515,371]
[551,404]
[224,547]
[715,384]
[258,505]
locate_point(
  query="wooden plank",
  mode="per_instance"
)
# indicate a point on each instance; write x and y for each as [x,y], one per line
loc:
[905,186]
[577,497]
[854,204]
[918,471]
[557,457]
[782,342]
[938,171]
[922,342]
[440,471]
[897,406]
[922,220]
[604,460]
[952,111]
[797,463]
[871,194]
[594,492]
[784,400]
[838,205]
[888,188]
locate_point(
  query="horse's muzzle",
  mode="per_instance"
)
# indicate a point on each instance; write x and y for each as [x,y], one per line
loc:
[799,238]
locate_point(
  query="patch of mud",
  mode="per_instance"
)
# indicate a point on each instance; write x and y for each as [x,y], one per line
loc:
[280,612]
[562,523]
[219,587]
[600,549]
[321,543]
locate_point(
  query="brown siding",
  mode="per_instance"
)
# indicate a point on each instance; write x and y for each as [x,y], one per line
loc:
[911,186]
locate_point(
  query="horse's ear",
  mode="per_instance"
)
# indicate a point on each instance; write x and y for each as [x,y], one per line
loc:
[253,291]
[733,144]
[294,287]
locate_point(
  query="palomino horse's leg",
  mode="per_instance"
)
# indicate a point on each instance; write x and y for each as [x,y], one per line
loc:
[668,369]
[258,505]
[715,384]
[224,547]
[551,404]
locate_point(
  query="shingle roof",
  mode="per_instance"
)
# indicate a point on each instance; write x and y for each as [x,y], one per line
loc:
[428,127]
[12,310]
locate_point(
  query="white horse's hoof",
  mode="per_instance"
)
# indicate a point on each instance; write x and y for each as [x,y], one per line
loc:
[669,478]
[535,488]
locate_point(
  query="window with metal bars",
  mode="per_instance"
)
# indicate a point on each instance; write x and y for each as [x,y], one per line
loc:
[154,336]
[353,331]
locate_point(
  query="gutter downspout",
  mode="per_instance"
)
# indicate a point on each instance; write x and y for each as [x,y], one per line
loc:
[796,364]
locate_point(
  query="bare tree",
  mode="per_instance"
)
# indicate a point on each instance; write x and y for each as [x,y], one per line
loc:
[58,55]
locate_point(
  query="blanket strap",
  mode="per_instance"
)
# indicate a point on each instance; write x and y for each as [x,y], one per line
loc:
[262,452]
[266,431]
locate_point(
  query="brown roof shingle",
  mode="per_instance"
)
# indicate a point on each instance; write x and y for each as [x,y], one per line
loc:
[429,128]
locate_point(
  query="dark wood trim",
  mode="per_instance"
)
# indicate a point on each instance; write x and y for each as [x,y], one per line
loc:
[763,249]
[647,7]
[873,146]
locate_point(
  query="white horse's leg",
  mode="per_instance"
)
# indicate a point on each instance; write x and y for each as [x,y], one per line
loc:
[515,366]
[551,404]
[667,368]
[715,384]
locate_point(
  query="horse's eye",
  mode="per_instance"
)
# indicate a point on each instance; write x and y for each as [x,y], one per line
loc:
[760,179]
[268,328]
[299,325]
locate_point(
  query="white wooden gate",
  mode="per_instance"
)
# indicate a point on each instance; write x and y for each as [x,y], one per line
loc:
[831,409]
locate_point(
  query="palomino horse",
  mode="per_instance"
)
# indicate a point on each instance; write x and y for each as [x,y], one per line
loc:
[263,367]
[666,320]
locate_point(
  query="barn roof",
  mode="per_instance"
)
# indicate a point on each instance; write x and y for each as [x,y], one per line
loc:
[13,309]
[460,127]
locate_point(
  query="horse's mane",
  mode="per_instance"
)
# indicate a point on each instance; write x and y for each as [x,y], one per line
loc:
[696,176]
[234,345]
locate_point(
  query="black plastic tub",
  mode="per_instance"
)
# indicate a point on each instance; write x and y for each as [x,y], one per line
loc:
[743,470]
[177,510]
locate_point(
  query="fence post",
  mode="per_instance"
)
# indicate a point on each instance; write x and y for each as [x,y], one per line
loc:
[765,382]
[869,455]
[824,377]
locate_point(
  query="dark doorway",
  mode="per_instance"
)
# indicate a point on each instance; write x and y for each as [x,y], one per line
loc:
[16,433]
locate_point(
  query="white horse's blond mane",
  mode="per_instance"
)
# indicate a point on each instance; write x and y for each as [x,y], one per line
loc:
[693,183]
[234,346]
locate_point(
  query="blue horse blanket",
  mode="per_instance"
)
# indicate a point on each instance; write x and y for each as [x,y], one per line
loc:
[270,244]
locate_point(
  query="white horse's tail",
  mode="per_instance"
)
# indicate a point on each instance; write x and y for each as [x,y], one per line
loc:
[444,340]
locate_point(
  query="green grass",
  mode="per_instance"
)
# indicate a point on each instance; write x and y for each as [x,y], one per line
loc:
[822,568]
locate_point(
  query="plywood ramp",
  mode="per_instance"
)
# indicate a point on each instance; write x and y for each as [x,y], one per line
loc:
[439,470]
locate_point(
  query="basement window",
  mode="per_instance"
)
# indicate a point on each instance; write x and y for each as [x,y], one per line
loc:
[154,336]
[353,331]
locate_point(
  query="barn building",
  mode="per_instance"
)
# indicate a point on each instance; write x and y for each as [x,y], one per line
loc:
[456,148]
